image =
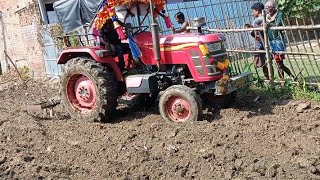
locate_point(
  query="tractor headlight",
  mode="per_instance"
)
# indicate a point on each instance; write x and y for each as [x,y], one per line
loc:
[213,47]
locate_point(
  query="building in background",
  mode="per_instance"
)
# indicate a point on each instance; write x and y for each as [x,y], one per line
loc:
[19,24]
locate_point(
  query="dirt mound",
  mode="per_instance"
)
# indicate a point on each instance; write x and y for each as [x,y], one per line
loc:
[252,140]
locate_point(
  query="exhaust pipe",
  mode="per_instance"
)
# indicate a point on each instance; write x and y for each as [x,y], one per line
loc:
[155,37]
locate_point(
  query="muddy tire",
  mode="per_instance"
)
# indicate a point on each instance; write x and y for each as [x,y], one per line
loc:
[179,105]
[88,90]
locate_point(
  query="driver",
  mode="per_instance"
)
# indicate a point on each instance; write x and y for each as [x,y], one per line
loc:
[184,24]
[110,39]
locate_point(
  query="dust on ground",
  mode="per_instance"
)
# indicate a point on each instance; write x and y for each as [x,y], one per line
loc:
[252,140]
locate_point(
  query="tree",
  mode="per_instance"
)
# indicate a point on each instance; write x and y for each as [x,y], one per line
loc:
[299,8]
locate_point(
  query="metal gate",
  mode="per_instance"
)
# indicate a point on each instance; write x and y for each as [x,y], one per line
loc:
[51,54]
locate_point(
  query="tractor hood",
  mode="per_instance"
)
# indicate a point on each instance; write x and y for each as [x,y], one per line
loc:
[145,38]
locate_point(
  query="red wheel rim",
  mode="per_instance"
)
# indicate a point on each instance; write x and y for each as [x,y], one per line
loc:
[178,109]
[81,93]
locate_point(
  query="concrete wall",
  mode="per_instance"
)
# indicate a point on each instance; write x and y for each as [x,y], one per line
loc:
[18,35]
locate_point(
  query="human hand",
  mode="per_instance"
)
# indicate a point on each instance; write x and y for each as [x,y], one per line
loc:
[268,25]
[248,26]
[258,38]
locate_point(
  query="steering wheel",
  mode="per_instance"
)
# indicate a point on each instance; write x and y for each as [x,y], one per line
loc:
[138,30]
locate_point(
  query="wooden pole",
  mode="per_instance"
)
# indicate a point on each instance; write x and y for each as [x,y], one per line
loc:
[6,66]
[86,35]
[280,52]
[139,13]
[15,67]
[308,27]
[267,48]
[155,37]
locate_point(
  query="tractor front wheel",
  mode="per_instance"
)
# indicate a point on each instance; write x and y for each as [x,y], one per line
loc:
[179,105]
[88,90]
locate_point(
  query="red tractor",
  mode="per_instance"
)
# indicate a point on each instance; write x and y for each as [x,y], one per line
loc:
[182,75]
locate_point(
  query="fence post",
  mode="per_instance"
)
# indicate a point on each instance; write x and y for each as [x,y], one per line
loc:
[267,48]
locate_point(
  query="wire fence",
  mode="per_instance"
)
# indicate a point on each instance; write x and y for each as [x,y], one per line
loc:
[301,36]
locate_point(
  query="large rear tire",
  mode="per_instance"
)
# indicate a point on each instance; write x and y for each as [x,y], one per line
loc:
[179,105]
[88,90]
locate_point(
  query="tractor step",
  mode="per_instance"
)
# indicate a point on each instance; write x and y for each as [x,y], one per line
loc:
[129,99]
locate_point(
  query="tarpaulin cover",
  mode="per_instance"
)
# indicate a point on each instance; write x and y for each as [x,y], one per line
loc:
[73,14]
[156,2]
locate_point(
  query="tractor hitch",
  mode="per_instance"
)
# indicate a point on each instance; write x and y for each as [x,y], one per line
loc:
[44,105]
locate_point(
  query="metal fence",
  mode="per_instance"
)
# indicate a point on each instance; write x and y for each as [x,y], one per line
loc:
[229,16]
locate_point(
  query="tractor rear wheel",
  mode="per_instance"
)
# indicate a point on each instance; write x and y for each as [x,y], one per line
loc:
[179,105]
[88,90]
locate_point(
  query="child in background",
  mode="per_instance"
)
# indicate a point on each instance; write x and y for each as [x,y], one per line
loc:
[259,58]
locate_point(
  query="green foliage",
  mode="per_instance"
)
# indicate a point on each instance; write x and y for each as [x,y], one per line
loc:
[55,31]
[256,79]
[25,72]
[74,40]
[304,91]
[247,67]
[299,8]
[290,90]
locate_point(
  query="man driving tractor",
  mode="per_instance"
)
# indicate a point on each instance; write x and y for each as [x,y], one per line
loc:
[180,18]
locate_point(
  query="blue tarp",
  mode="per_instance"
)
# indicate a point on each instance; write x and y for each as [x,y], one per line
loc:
[73,14]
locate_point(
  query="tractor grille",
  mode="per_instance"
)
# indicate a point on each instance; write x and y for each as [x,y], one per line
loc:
[197,61]
[218,51]
[210,68]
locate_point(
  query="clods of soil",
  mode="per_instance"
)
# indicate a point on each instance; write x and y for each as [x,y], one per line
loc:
[258,138]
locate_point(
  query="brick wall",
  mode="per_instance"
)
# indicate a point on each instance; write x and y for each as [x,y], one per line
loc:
[18,35]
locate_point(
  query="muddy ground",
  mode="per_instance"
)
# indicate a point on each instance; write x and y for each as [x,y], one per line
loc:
[260,139]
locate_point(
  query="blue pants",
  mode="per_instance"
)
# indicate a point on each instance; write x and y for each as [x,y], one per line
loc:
[121,49]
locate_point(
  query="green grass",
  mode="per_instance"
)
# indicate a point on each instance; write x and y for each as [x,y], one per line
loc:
[295,90]
[288,91]
[307,95]
[310,69]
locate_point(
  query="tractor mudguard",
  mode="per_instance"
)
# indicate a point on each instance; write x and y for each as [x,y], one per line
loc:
[97,53]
